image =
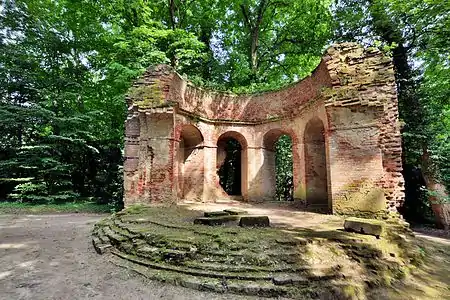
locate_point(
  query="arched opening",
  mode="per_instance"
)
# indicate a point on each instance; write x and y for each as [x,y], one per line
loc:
[232,163]
[190,163]
[316,165]
[279,165]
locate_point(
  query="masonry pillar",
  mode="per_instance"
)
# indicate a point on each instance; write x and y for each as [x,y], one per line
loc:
[210,180]
[131,155]
[356,161]
[161,155]
[260,174]
[364,138]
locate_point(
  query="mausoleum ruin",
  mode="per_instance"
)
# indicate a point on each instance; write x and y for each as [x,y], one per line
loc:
[342,120]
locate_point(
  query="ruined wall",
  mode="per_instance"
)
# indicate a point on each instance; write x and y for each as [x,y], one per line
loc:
[364,137]
[352,164]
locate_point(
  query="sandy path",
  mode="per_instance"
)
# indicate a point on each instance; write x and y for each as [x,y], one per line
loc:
[51,257]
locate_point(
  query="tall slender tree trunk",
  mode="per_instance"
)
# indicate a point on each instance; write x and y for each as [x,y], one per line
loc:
[172,8]
[253,55]
[438,193]
[253,25]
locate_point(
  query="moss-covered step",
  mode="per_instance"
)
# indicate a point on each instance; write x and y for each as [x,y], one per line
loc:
[163,243]
[100,247]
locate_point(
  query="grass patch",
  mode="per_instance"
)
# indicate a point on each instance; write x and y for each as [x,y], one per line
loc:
[72,207]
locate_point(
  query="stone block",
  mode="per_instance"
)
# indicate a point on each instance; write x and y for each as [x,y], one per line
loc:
[364,226]
[254,221]
[210,214]
[235,212]
[215,221]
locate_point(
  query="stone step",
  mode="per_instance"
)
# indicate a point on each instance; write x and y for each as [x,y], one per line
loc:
[101,235]
[217,285]
[289,285]
[244,268]
[100,247]
[123,231]
[192,272]
[114,237]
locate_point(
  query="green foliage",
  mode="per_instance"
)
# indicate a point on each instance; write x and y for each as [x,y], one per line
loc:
[284,169]
[68,207]
[66,65]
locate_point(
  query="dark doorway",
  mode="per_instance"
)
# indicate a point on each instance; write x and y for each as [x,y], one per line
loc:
[230,170]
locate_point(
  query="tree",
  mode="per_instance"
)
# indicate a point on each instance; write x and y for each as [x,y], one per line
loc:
[66,66]
[272,42]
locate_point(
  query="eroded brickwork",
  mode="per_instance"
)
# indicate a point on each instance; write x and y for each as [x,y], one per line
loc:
[343,122]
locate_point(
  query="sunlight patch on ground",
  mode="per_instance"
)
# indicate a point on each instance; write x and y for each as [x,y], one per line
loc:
[27,264]
[5,274]
[13,246]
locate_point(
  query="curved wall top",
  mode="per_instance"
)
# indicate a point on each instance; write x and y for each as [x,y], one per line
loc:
[345,67]
[258,107]
[222,106]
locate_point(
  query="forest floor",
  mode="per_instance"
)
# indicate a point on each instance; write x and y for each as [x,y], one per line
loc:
[14,208]
[51,257]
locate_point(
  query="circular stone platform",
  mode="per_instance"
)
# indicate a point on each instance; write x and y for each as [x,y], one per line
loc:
[163,243]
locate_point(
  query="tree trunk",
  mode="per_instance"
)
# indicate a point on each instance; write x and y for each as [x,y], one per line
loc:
[205,37]
[172,8]
[254,49]
[253,26]
[438,194]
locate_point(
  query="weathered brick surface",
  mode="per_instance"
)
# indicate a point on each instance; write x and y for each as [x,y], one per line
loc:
[343,121]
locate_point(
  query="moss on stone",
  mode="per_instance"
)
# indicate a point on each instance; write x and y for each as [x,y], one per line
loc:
[147,96]
[360,198]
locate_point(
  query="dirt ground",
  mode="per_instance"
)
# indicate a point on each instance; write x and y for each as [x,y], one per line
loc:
[51,257]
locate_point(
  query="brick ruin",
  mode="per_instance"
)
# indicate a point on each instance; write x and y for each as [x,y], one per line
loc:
[343,122]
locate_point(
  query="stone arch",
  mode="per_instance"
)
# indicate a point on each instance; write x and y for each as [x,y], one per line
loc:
[240,185]
[190,159]
[316,165]
[269,167]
